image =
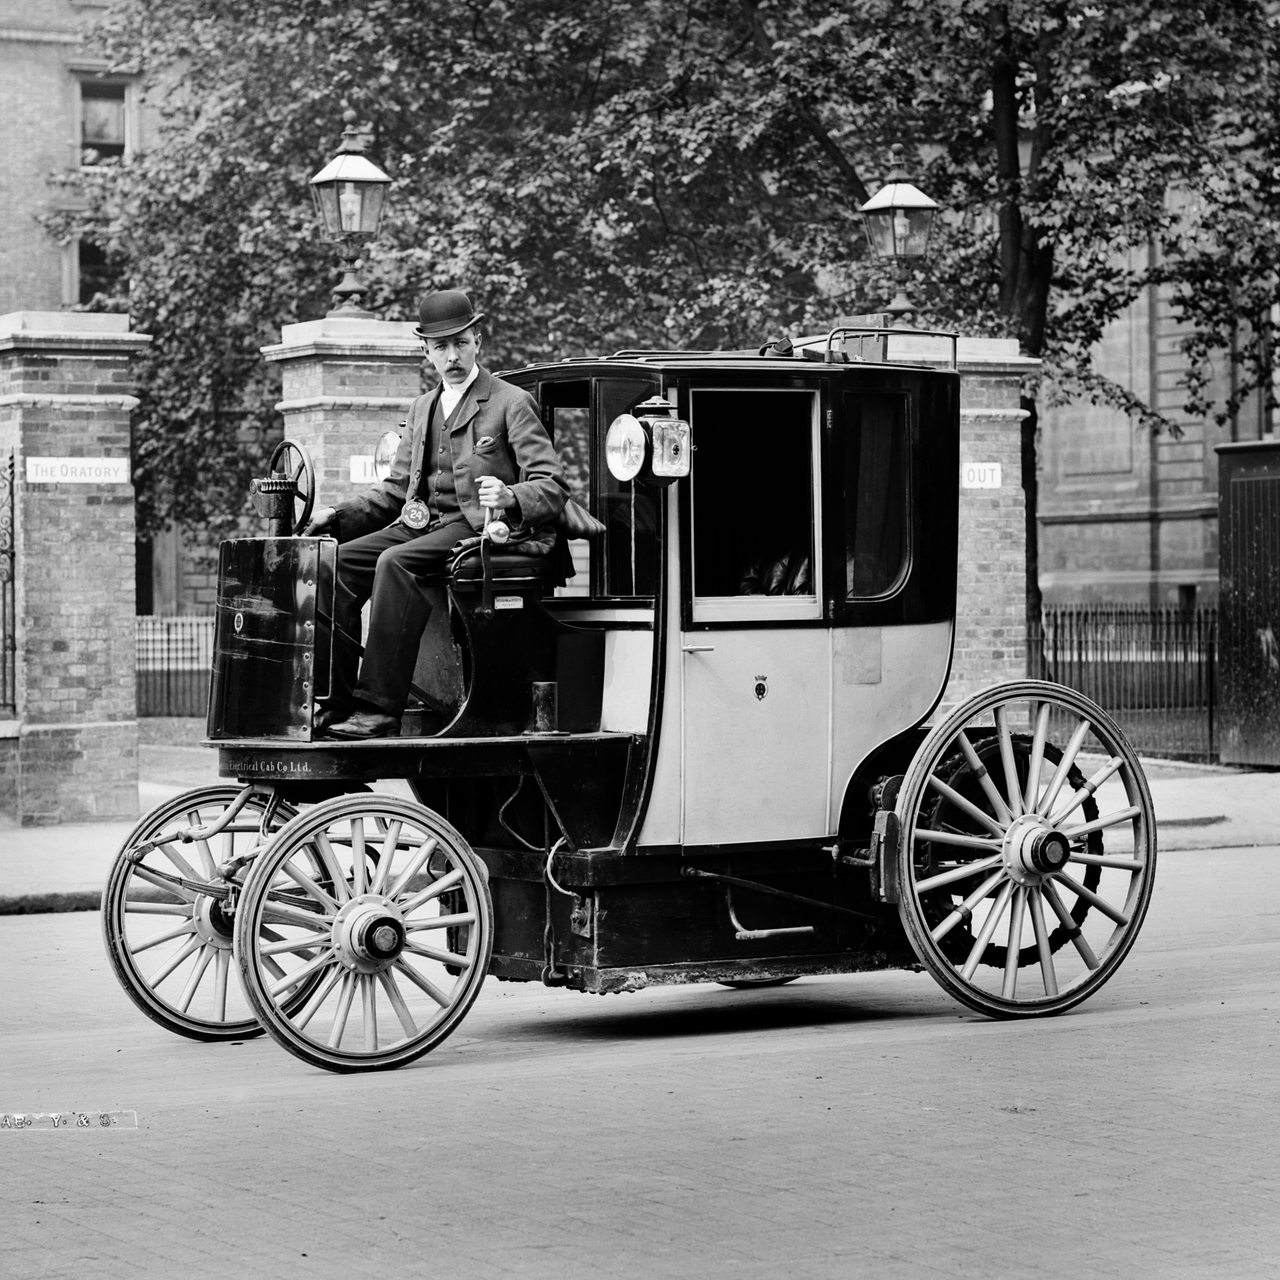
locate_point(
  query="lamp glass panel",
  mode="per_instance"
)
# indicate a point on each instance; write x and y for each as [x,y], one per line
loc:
[911,231]
[326,198]
[375,194]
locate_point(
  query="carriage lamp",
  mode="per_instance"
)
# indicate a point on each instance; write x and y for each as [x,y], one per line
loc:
[349,194]
[898,219]
[651,445]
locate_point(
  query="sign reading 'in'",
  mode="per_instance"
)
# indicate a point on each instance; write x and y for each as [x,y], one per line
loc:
[77,470]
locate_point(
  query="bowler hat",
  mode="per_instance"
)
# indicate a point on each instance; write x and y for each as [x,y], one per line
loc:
[444,313]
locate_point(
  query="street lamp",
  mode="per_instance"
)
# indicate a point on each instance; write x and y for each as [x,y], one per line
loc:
[349,193]
[898,219]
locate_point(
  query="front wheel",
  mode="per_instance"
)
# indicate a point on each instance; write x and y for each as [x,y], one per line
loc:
[170,943]
[375,962]
[1027,850]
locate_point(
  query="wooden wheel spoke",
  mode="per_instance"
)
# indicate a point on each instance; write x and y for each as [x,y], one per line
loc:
[222,972]
[329,860]
[309,886]
[989,789]
[181,865]
[961,839]
[966,805]
[1102,823]
[397,1000]
[425,850]
[278,911]
[439,955]
[451,880]
[440,922]
[318,997]
[1013,947]
[390,844]
[184,954]
[1092,898]
[183,930]
[994,916]
[1081,794]
[965,910]
[1108,860]
[1013,791]
[431,892]
[1074,932]
[197,972]
[1032,793]
[287,945]
[1065,765]
[369,1007]
[343,1011]
[297,976]
[962,872]
[420,980]
[359,869]
[1043,949]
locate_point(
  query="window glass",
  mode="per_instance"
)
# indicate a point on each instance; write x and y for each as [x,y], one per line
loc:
[753,495]
[102,122]
[629,511]
[566,409]
[875,492]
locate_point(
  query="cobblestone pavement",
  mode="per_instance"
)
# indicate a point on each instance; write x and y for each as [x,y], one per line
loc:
[841,1127]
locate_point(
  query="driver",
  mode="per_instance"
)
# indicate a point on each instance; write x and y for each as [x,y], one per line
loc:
[474,443]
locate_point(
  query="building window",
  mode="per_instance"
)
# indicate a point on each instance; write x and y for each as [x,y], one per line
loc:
[104,121]
[95,272]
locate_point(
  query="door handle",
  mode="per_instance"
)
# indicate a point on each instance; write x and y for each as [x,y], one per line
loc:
[698,648]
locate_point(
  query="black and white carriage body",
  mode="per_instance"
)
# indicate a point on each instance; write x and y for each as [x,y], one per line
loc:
[705,755]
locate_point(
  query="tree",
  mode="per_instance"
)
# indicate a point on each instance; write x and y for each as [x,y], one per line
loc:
[687,172]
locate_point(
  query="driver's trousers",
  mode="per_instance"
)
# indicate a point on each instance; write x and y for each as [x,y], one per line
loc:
[391,569]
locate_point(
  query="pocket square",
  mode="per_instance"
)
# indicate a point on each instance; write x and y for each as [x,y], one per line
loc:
[483,442]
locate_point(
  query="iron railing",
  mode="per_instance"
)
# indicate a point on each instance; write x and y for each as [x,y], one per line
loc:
[1153,669]
[174,657]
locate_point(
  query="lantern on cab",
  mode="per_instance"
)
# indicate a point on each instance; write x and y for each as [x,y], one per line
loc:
[651,446]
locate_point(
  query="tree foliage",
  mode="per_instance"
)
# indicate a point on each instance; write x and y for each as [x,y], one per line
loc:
[684,173]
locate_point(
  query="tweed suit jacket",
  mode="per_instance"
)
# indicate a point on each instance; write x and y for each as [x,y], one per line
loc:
[496,432]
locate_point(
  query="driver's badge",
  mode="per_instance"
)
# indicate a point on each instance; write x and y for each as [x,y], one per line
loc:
[416,514]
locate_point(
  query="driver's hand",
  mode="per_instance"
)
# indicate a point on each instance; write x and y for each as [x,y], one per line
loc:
[495,494]
[323,521]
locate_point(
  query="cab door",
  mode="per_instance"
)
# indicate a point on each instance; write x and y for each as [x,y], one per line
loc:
[754,654]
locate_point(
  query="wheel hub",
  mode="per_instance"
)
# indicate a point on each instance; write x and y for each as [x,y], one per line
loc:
[369,933]
[1033,850]
[213,925]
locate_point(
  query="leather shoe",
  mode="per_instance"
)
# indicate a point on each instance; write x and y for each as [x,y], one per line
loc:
[366,724]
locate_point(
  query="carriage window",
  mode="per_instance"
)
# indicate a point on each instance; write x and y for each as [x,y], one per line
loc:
[875,491]
[629,511]
[754,555]
[566,410]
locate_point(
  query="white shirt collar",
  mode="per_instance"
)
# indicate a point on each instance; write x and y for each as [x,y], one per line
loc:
[451,395]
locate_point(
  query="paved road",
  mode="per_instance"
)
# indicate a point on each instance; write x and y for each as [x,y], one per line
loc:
[838,1127]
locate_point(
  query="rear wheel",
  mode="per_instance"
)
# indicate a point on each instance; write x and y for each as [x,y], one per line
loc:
[1027,850]
[170,944]
[391,945]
